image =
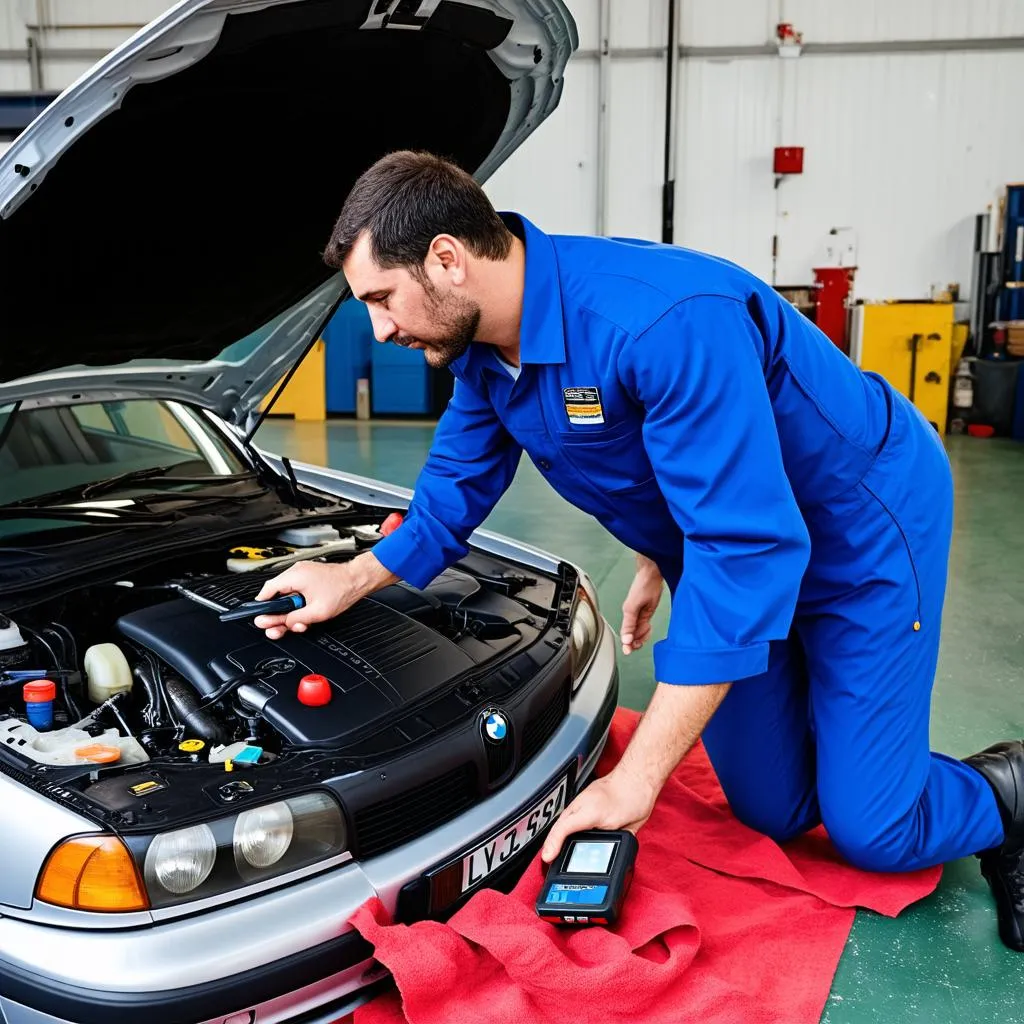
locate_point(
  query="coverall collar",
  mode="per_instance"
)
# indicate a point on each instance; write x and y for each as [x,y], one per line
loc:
[542,330]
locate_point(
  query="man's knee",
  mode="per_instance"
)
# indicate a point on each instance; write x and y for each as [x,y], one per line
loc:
[780,827]
[868,846]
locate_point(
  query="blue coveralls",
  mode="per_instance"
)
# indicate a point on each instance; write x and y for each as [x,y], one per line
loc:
[703,421]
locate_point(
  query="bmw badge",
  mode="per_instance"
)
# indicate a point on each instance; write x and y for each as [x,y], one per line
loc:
[494,726]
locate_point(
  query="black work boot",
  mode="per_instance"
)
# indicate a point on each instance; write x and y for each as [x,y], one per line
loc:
[1003,867]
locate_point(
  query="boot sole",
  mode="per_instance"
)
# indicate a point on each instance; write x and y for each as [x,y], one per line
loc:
[1009,931]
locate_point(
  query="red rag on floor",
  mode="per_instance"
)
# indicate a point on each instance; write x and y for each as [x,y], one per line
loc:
[721,925]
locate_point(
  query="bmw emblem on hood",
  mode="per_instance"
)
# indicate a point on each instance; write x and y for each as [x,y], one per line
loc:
[494,726]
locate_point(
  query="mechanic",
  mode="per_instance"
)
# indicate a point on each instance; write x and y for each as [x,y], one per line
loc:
[704,422]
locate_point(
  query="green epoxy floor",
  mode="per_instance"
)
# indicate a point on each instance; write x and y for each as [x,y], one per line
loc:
[941,961]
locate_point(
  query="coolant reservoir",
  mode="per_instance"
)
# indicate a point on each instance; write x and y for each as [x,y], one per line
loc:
[308,536]
[108,672]
[70,746]
[14,652]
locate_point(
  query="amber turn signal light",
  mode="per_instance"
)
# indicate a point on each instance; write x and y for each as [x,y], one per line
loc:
[92,873]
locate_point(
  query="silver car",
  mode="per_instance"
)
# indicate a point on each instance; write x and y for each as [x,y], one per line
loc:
[189,812]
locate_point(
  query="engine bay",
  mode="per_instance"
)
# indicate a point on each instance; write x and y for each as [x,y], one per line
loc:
[137,671]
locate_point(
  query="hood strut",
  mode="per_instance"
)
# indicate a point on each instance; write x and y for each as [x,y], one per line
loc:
[258,421]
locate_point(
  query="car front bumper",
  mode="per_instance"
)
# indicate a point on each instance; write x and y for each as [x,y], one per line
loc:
[290,956]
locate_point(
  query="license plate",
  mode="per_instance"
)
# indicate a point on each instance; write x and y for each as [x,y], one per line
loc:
[499,850]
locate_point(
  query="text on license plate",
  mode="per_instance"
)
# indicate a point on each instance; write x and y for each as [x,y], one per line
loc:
[476,866]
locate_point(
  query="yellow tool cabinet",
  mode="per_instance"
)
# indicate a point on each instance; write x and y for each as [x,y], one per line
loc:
[305,397]
[909,344]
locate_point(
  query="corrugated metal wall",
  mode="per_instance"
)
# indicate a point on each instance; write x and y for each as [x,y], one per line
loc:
[70,33]
[752,22]
[904,147]
[636,130]
[884,20]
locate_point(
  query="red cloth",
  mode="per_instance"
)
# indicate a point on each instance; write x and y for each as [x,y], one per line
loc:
[721,925]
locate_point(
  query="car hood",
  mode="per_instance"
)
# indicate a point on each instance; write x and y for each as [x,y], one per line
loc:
[162,222]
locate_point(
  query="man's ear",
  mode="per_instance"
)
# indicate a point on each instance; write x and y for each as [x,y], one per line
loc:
[449,256]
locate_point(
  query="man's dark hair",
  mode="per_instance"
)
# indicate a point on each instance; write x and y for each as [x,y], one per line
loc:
[404,201]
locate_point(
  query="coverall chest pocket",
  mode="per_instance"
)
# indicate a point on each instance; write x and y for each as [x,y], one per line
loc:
[613,460]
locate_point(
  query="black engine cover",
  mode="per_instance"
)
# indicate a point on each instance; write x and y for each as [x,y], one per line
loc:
[378,658]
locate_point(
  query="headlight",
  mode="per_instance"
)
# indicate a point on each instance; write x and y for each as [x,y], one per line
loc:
[102,872]
[287,835]
[262,836]
[181,861]
[585,633]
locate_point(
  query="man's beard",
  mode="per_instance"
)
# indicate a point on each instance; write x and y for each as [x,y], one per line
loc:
[456,318]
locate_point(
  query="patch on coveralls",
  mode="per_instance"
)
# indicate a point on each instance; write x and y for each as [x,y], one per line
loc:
[583,405]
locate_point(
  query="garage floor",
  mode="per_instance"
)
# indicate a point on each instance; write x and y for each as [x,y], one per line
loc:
[941,961]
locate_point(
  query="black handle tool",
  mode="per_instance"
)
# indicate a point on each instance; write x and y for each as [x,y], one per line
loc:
[275,606]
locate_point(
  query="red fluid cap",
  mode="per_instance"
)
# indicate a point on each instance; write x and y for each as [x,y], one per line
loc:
[392,523]
[38,692]
[314,691]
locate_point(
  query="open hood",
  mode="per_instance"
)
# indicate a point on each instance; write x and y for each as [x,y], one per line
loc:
[161,223]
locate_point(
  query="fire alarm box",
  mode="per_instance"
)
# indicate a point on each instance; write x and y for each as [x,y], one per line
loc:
[789,159]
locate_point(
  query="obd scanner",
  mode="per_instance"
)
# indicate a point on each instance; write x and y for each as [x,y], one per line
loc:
[587,882]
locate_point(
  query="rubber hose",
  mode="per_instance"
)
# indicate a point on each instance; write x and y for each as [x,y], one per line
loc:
[145,679]
[65,689]
[184,703]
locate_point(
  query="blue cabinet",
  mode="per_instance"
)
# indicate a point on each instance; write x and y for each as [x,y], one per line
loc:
[1011,305]
[401,382]
[349,339]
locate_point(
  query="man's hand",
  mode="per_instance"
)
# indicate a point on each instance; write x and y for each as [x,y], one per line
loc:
[616,800]
[624,798]
[328,589]
[640,605]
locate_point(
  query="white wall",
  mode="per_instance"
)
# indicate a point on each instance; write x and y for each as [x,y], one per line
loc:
[553,179]
[751,22]
[72,33]
[903,147]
